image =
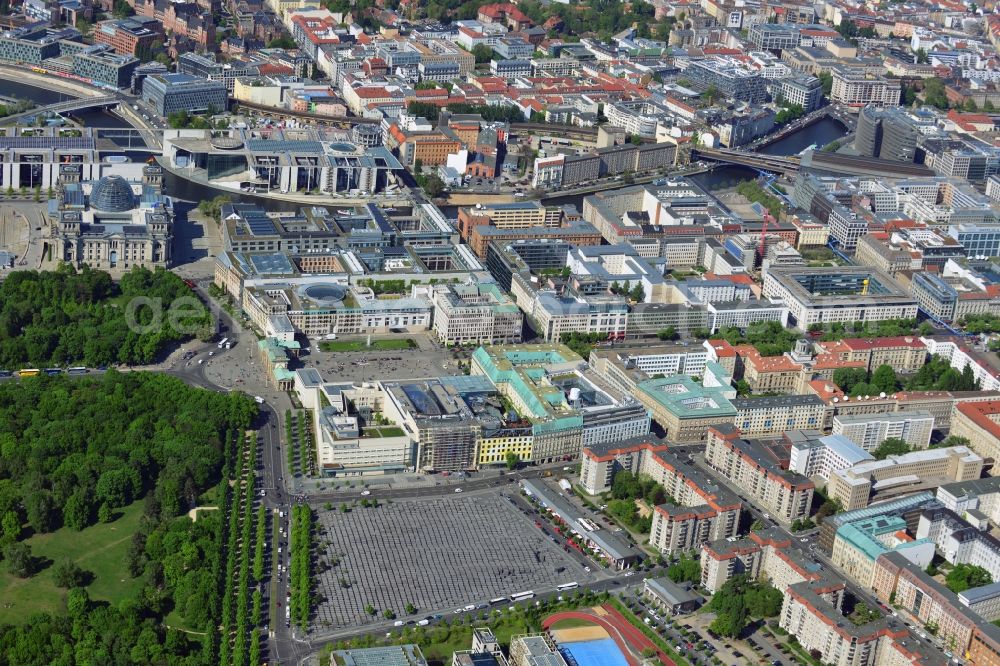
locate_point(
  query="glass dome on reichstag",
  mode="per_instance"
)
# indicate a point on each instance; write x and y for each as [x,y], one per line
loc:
[112,194]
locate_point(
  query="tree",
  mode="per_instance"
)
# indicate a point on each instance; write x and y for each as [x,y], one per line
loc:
[10,526]
[433,185]
[68,574]
[970,105]
[966,576]
[934,93]
[635,140]
[637,293]
[921,55]
[884,379]
[283,42]
[757,525]
[826,80]
[482,53]
[892,446]
[669,333]
[743,388]
[20,563]
[848,378]
[711,94]
[389,614]
[513,460]
[410,609]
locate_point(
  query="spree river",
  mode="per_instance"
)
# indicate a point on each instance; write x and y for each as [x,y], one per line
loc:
[820,133]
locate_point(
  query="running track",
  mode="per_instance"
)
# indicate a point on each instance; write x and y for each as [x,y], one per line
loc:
[625,635]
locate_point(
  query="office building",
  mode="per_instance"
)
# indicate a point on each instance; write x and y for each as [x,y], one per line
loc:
[169,93]
[858,545]
[290,160]
[567,405]
[99,63]
[888,134]
[843,294]
[857,486]
[979,422]
[475,314]
[979,240]
[684,408]
[129,36]
[774,36]
[868,431]
[625,367]
[812,455]
[772,415]
[904,354]
[752,468]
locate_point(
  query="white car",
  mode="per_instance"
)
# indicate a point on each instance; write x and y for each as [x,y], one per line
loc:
[366,493]
[458,490]
[587,569]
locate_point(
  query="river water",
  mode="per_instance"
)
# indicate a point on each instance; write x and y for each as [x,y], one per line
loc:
[820,133]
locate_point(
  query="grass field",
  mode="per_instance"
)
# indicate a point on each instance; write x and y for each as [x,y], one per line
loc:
[362,345]
[99,549]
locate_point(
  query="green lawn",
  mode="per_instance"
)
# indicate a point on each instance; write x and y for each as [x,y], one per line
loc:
[362,345]
[99,549]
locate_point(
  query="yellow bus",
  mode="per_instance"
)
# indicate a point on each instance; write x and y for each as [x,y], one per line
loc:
[29,372]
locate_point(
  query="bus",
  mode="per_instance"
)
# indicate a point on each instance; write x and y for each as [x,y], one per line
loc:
[522,596]
[498,600]
[29,372]
[78,370]
[222,343]
[568,586]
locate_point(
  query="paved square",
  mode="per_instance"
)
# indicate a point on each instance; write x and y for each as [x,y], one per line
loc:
[438,554]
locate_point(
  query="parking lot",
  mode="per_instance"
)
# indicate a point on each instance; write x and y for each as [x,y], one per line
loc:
[439,554]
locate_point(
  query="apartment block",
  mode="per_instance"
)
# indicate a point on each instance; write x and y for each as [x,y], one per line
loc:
[855,88]
[704,510]
[868,431]
[747,464]
[909,586]
[812,613]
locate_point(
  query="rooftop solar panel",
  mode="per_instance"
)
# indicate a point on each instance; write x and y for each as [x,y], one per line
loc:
[45,142]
